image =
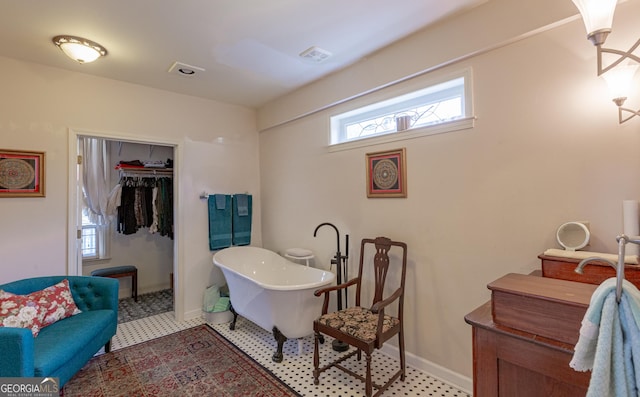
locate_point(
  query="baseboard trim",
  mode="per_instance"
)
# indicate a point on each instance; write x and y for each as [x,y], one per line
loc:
[193,314]
[126,292]
[432,369]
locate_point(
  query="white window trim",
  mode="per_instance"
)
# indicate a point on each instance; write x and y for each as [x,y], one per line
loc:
[467,122]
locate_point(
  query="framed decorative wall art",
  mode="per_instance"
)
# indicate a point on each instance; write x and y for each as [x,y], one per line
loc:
[387,174]
[21,173]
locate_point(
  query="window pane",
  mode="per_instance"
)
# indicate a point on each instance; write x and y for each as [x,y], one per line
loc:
[85,219]
[89,242]
[378,125]
[436,112]
[439,112]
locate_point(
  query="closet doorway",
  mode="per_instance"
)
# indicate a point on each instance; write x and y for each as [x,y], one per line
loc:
[152,248]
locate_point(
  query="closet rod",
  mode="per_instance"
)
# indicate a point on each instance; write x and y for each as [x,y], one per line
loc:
[147,173]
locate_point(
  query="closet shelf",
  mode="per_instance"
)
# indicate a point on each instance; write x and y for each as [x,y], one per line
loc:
[167,172]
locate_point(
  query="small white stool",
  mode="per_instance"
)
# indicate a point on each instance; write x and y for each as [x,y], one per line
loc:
[299,254]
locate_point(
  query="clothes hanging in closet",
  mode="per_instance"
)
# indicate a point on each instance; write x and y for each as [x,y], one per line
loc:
[146,203]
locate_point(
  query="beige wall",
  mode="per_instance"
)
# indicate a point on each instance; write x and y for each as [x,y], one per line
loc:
[39,105]
[546,149]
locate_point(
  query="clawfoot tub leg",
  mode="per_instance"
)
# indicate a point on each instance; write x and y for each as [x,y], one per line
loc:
[232,326]
[277,356]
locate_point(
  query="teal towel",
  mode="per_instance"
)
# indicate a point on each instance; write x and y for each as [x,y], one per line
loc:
[609,343]
[607,375]
[242,204]
[221,201]
[220,222]
[631,344]
[590,332]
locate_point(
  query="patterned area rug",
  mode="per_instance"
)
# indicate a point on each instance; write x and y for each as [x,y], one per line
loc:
[147,305]
[194,362]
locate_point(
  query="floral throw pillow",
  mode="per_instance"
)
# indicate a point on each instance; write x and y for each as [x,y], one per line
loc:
[21,311]
[58,302]
[38,309]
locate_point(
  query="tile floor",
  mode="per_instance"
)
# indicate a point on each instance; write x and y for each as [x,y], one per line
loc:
[296,369]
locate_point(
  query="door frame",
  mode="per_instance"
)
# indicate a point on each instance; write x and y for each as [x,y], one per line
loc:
[74,260]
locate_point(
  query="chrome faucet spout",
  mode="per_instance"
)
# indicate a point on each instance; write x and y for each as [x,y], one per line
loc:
[622,240]
[584,262]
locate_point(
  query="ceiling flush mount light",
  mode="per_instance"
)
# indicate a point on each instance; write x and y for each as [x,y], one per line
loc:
[598,20]
[79,49]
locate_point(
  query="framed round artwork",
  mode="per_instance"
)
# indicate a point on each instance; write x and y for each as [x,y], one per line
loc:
[21,173]
[387,174]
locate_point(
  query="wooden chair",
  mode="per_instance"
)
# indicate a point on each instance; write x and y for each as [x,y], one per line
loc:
[365,329]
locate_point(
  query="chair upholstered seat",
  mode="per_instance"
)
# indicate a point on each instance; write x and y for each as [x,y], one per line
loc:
[359,322]
[366,329]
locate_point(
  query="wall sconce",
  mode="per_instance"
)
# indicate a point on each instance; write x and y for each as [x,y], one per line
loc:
[79,49]
[598,20]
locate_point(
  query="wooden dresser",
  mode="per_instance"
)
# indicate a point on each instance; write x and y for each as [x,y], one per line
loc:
[523,338]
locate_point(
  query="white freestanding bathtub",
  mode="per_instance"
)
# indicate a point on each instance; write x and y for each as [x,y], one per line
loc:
[273,292]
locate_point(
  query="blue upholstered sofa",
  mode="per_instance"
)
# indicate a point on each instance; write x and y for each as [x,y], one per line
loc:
[63,348]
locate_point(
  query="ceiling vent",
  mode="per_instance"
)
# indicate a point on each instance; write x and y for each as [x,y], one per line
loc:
[182,69]
[315,54]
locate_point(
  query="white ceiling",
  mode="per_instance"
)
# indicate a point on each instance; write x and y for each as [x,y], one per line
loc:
[247,48]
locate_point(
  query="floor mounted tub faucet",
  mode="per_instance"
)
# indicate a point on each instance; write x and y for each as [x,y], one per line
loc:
[341,266]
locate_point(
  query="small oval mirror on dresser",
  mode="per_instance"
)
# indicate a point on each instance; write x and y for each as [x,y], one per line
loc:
[573,235]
